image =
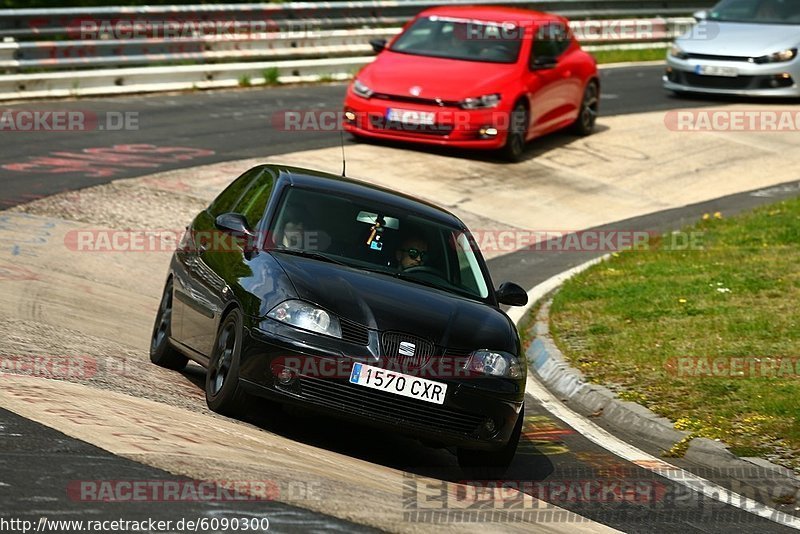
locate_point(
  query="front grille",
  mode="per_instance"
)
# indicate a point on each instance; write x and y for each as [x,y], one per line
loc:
[386,407]
[718,58]
[459,356]
[354,333]
[381,123]
[452,351]
[422,349]
[717,82]
[416,100]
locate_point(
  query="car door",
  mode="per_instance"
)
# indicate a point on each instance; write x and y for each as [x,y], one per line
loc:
[217,259]
[549,76]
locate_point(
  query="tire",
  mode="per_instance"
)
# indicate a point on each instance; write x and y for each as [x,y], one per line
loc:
[161,352]
[514,148]
[584,124]
[224,394]
[487,465]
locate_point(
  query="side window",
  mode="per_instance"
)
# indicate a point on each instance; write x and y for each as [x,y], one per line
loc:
[226,200]
[471,277]
[253,201]
[550,40]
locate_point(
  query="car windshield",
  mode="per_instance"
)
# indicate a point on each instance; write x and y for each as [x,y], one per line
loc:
[461,39]
[757,11]
[379,238]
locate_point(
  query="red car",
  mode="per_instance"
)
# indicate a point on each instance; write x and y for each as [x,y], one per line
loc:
[475,78]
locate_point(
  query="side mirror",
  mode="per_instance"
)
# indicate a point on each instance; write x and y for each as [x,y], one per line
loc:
[378,45]
[700,15]
[235,224]
[511,294]
[544,62]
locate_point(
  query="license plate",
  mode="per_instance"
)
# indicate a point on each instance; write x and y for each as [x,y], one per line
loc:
[410,116]
[711,70]
[398,383]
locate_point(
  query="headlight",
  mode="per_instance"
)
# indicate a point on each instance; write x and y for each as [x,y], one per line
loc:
[777,57]
[306,316]
[494,363]
[481,102]
[678,52]
[361,90]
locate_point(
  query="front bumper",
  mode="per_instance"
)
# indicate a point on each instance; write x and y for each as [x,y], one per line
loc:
[770,80]
[460,421]
[453,126]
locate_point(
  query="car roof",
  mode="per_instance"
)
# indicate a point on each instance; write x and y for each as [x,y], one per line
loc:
[301,177]
[493,14]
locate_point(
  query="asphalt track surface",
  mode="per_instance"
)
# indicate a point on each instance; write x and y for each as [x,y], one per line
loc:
[241,124]
[233,125]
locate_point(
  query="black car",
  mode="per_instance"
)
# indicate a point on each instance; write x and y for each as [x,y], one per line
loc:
[337,295]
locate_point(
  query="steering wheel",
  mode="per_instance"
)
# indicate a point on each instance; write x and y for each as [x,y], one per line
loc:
[424,269]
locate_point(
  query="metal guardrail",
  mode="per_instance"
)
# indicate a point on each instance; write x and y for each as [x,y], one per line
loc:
[147,47]
[288,45]
[37,23]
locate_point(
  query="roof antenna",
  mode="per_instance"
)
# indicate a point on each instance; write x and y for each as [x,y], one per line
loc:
[341,137]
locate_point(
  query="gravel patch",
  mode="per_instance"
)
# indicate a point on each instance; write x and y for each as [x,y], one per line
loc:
[119,206]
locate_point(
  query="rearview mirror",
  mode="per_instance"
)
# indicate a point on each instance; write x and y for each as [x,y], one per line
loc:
[511,294]
[378,45]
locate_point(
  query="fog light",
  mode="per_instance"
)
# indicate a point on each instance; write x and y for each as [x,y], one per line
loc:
[349,115]
[487,131]
[488,426]
[285,376]
[780,80]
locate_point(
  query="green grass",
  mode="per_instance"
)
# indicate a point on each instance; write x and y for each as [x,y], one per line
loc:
[271,76]
[632,321]
[625,56]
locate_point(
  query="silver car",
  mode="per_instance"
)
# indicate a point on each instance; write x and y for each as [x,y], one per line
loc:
[739,47]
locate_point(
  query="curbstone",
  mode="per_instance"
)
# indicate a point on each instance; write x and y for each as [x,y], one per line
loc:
[708,451]
[550,365]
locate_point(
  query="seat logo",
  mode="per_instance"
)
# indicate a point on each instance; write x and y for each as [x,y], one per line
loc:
[415,90]
[406,348]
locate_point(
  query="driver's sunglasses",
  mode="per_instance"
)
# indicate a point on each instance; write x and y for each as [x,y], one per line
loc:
[415,253]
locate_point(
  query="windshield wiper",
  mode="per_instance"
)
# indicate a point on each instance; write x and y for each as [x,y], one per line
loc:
[308,254]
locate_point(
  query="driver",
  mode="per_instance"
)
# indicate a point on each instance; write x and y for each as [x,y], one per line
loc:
[769,10]
[292,234]
[413,252]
